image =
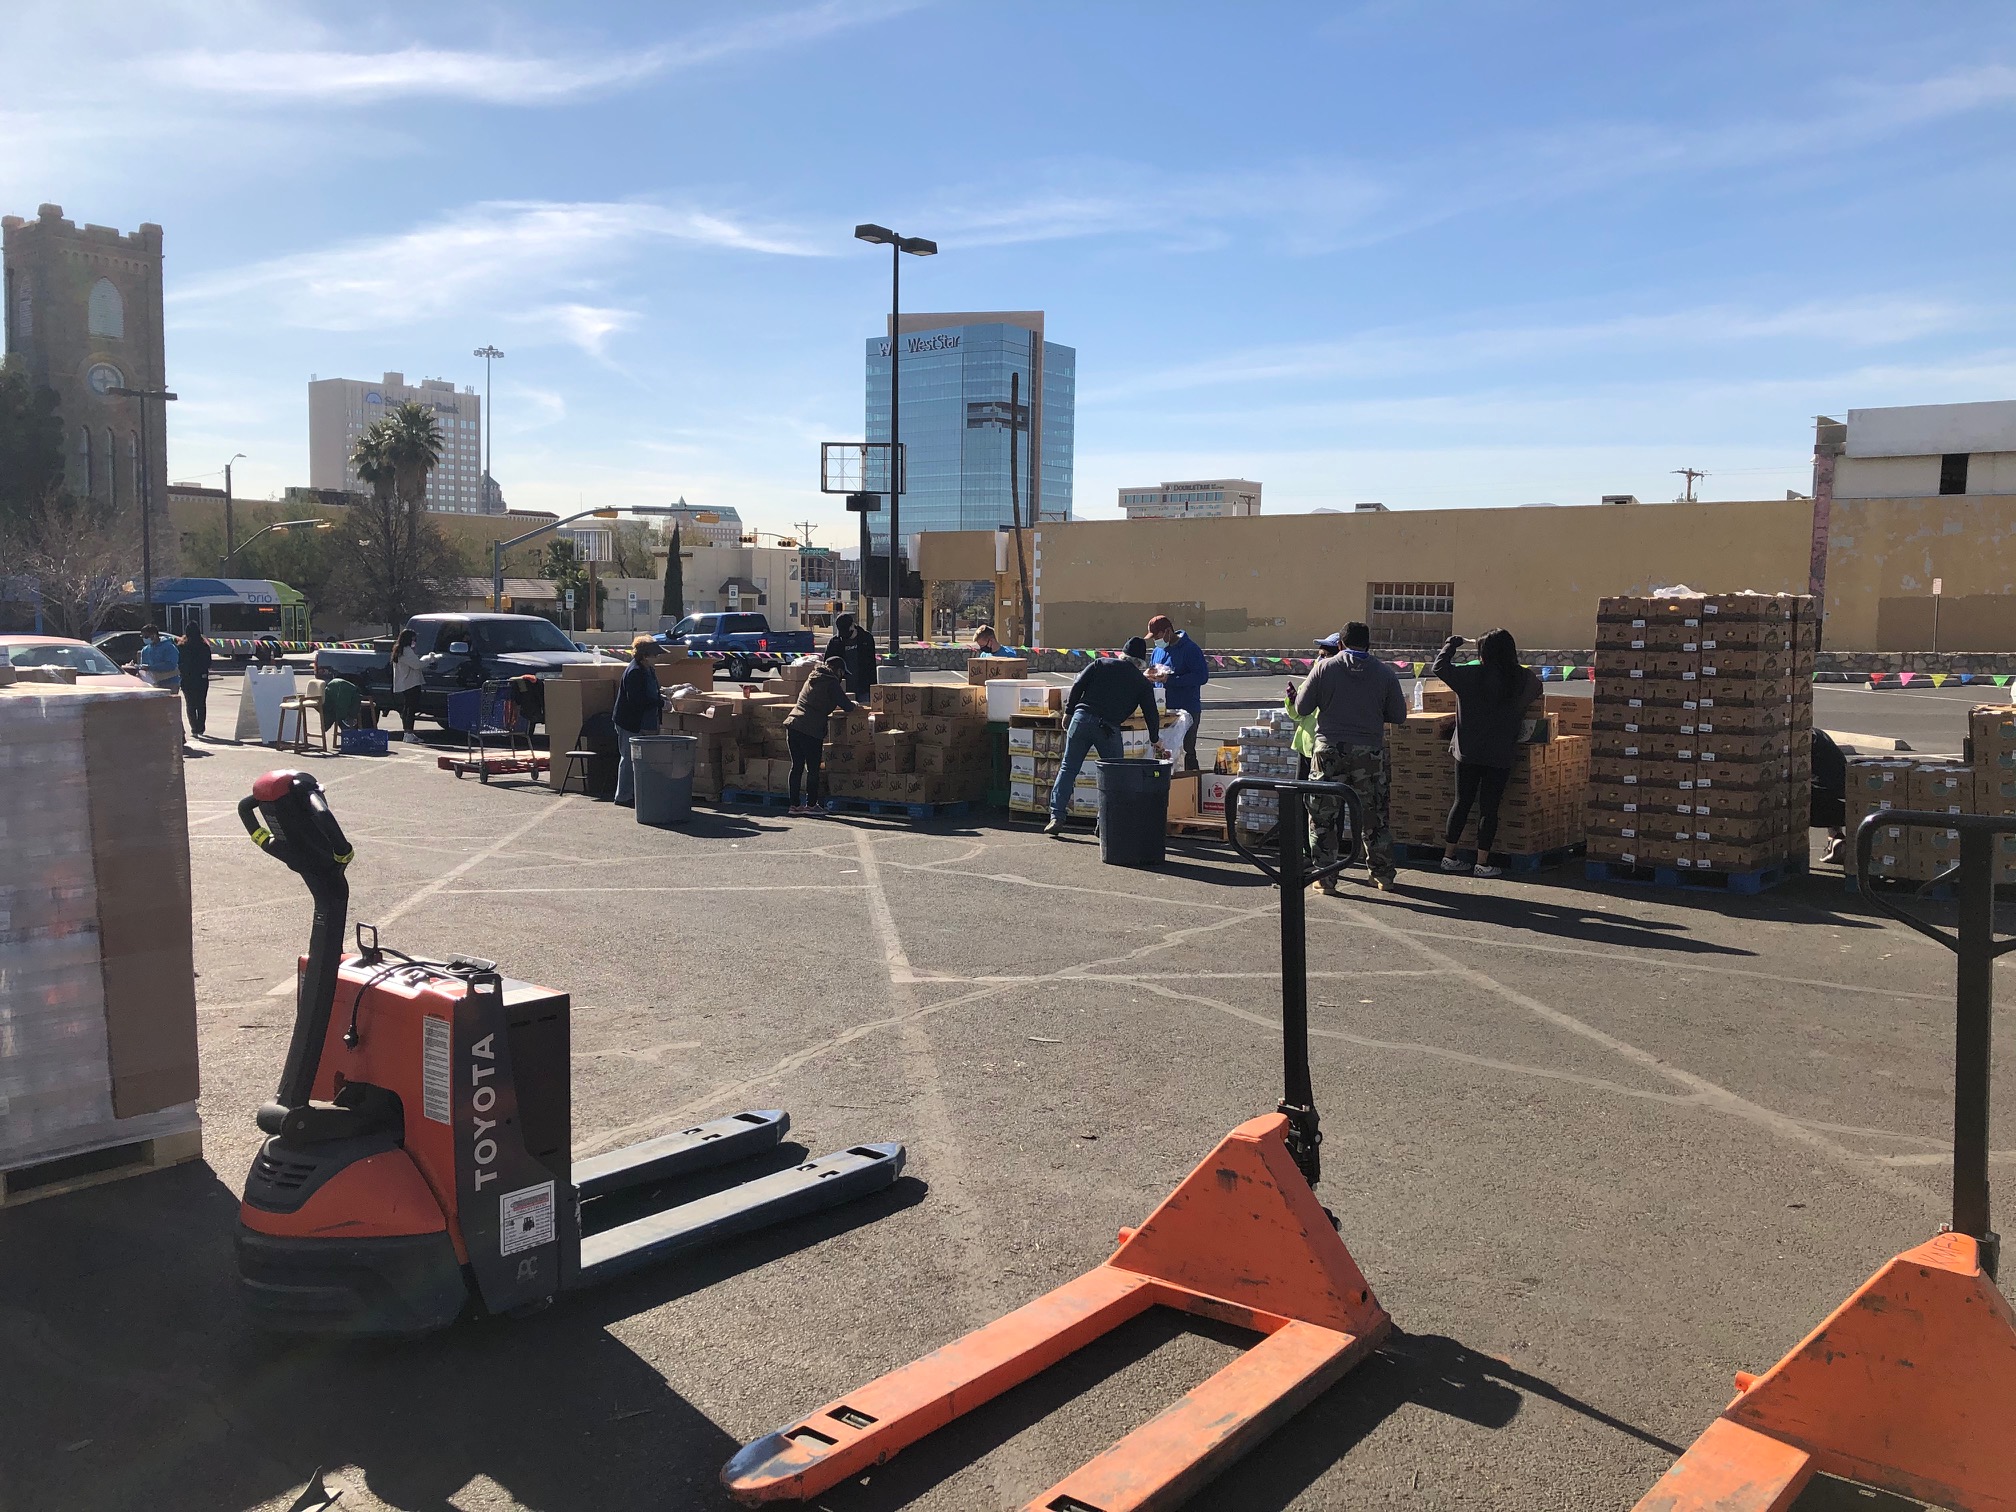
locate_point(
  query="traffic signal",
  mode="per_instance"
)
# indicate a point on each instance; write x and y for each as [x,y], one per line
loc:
[787,541]
[748,540]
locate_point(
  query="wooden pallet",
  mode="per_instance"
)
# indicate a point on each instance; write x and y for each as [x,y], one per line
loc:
[1429,857]
[751,798]
[71,1173]
[1207,826]
[1749,882]
[890,808]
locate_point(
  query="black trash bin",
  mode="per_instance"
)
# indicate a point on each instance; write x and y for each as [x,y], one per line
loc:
[1133,812]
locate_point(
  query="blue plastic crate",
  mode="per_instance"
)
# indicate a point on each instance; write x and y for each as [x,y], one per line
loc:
[364,743]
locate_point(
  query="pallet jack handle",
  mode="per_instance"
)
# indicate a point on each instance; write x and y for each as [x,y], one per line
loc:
[1294,874]
[1974,945]
[288,817]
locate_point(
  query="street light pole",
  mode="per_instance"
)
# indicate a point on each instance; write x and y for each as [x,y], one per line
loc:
[489,354]
[146,489]
[229,550]
[315,524]
[916,246]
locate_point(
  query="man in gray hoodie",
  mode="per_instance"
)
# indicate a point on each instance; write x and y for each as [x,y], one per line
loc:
[1354,696]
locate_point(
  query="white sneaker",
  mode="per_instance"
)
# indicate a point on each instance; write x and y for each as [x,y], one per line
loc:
[1451,864]
[1488,871]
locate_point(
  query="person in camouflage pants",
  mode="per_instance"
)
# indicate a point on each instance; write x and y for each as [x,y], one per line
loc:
[1363,770]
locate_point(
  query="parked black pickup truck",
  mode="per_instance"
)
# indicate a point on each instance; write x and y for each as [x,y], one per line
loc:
[459,651]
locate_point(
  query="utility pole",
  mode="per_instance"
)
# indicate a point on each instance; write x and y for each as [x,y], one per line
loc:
[1690,474]
[489,354]
[230,546]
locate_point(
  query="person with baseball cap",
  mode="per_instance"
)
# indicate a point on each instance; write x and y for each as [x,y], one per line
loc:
[1099,702]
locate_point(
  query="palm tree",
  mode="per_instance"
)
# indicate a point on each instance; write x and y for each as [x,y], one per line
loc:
[414,447]
[372,457]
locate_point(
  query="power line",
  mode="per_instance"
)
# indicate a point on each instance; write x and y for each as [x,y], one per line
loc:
[1690,474]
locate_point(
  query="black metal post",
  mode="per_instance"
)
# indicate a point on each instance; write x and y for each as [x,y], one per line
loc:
[1973,1044]
[1299,1094]
[895,431]
[146,491]
[230,546]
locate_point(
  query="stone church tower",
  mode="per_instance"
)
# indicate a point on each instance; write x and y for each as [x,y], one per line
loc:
[84,316]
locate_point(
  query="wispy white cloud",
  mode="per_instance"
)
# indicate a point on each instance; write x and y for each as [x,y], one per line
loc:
[515,260]
[529,77]
[1392,353]
[1313,207]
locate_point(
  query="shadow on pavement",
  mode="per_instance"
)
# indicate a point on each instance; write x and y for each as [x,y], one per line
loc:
[133,1378]
[1567,921]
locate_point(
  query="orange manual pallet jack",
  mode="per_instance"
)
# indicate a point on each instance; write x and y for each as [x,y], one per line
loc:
[1910,1385]
[1243,1241]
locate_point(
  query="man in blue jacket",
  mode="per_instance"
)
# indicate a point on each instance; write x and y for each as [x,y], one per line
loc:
[1179,666]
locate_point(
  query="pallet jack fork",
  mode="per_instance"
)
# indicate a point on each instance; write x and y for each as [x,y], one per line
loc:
[1243,1240]
[1910,1385]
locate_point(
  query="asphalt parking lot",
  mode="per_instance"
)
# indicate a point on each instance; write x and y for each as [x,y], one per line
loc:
[1595,1148]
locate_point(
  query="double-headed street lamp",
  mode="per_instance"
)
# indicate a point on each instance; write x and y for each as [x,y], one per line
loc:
[146,489]
[916,246]
[315,524]
[498,548]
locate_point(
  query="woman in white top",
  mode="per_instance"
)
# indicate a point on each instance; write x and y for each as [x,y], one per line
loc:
[407,679]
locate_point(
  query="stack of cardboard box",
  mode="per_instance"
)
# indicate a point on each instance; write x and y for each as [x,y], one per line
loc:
[913,743]
[97,979]
[1266,749]
[1991,745]
[1703,729]
[720,722]
[1984,784]
[1542,809]
[1036,748]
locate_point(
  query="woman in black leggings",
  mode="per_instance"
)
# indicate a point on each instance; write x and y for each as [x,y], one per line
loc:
[1492,696]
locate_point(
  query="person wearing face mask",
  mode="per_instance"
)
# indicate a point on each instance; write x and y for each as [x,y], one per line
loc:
[1354,696]
[1099,702]
[1179,668]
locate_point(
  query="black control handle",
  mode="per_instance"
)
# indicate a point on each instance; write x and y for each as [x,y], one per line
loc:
[1975,948]
[1298,1102]
[287,815]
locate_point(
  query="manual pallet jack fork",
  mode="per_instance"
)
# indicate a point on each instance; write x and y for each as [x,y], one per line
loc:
[1243,1240]
[420,1157]
[1910,1385]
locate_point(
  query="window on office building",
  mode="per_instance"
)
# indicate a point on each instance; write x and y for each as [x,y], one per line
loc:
[1410,616]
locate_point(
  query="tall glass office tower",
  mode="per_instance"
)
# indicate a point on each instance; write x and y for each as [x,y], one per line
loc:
[956,421]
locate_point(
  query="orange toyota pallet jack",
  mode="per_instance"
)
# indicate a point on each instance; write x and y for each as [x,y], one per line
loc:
[1910,1385]
[419,1158]
[1243,1241]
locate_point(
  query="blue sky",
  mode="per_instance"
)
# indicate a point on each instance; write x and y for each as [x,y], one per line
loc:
[1481,252]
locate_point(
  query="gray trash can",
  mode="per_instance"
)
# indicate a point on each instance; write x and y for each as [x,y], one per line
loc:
[1133,812]
[662,769]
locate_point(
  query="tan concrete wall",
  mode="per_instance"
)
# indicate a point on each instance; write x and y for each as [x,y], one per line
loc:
[470,534]
[1285,579]
[1886,552]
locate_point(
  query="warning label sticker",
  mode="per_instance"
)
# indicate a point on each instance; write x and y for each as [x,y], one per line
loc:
[525,1218]
[434,1035]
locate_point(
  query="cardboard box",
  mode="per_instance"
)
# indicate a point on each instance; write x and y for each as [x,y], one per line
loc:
[895,751]
[1940,788]
[1572,715]
[986,669]
[571,702]
[1211,791]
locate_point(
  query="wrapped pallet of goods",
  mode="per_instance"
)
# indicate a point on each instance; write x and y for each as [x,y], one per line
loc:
[1703,718]
[1266,749]
[1541,815]
[98,1072]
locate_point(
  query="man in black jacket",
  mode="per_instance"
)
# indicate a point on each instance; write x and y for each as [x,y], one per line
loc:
[856,649]
[192,655]
[639,708]
[1105,693]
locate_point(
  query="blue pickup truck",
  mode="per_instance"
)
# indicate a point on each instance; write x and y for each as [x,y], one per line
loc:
[739,645]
